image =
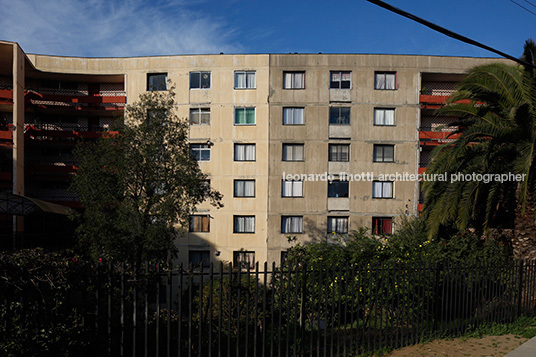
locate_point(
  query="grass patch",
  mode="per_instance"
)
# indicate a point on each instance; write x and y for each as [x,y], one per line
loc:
[524,326]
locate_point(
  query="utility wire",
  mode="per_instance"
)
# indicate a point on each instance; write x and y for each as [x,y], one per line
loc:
[528,2]
[448,32]
[523,7]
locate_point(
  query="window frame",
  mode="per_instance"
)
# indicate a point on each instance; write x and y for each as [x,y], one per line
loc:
[384,110]
[331,158]
[284,225]
[339,183]
[200,79]
[245,72]
[200,111]
[292,189]
[340,81]
[244,181]
[385,73]
[293,74]
[244,145]
[286,145]
[377,147]
[200,148]
[293,115]
[377,222]
[235,217]
[329,225]
[153,88]
[236,262]
[382,190]
[192,225]
[245,113]
[339,109]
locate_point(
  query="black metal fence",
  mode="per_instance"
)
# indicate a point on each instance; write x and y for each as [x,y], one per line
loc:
[305,310]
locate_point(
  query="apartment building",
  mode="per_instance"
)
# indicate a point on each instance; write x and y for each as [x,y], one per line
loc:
[275,133]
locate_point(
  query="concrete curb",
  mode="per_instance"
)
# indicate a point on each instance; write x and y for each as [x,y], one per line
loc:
[528,349]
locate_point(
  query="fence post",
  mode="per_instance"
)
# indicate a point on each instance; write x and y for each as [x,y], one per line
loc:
[520,288]
[436,297]
[302,309]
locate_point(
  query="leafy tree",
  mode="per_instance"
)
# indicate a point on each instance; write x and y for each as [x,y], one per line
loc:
[137,185]
[496,109]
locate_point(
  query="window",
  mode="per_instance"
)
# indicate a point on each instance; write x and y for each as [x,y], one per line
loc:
[244,116]
[384,153]
[382,189]
[383,116]
[339,152]
[340,80]
[199,258]
[200,223]
[201,152]
[293,152]
[293,116]
[291,188]
[291,224]
[244,259]
[244,188]
[199,80]
[385,80]
[338,225]
[244,152]
[284,255]
[382,225]
[293,80]
[244,224]
[245,80]
[156,81]
[339,115]
[338,188]
[200,116]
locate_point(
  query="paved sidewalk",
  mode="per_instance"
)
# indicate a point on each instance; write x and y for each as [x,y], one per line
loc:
[528,349]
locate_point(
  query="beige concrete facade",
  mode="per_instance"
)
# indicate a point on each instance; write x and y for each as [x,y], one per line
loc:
[270,134]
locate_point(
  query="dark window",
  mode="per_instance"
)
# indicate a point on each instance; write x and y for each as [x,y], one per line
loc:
[338,188]
[385,80]
[339,152]
[340,80]
[291,224]
[200,116]
[384,116]
[244,188]
[338,225]
[156,81]
[293,116]
[245,80]
[200,223]
[244,152]
[384,153]
[382,189]
[339,115]
[294,80]
[201,152]
[199,80]
[244,259]
[199,258]
[382,225]
[293,152]
[244,224]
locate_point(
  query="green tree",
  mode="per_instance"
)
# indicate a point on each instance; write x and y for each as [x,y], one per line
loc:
[495,106]
[139,184]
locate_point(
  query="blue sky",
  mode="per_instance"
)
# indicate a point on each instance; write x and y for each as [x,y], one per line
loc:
[101,28]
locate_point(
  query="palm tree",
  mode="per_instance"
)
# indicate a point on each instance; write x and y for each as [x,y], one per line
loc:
[495,107]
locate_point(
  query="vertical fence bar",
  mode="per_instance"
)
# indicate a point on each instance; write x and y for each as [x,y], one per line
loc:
[179,307]
[520,288]
[230,312]
[256,307]
[200,311]
[264,309]
[109,313]
[248,273]
[169,309]
[190,298]
[146,321]
[157,332]
[134,312]
[238,299]
[220,308]
[122,308]
[210,308]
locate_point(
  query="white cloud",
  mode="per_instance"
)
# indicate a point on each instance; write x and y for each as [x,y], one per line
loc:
[114,28]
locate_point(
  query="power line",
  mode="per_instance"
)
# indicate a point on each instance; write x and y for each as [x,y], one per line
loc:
[448,32]
[523,7]
[528,2]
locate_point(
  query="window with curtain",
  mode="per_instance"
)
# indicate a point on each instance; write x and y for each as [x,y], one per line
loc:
[244,188]
[291,188]
[293,152]
[199,80]
[385,80]
[156,81]
[340,80]
[339,115]
[384,116]
[338,188]
[200,223]
[338,225]
[244,259]
[339,152]
[384,153]
[382,189]
[244,152]
[201,152]
[244,224]
[293,116]
[294,80]
[200,116]
[199,258]
[244,116]
[291,224]
[245,80]
[382,225]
